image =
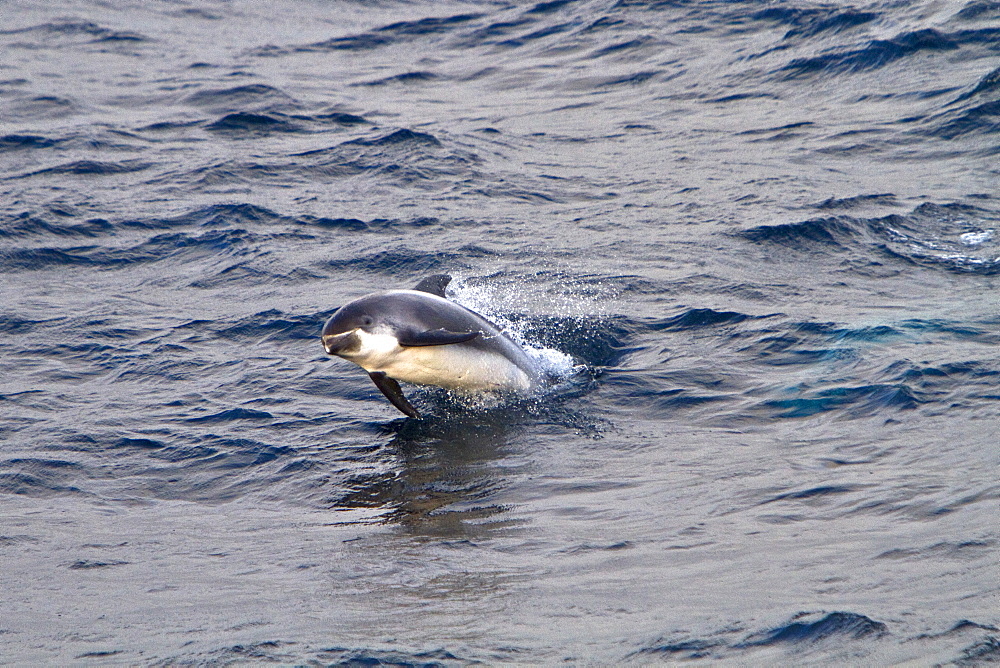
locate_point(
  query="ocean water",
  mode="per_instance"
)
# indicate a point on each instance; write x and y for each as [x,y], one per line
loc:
[756,242]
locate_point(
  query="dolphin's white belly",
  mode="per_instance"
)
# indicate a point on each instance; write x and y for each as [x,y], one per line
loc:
[456,368]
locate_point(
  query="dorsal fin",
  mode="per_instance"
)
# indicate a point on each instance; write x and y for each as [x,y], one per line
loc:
[434,284]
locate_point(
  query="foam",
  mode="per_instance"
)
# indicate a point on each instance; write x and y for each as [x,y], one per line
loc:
[495,302]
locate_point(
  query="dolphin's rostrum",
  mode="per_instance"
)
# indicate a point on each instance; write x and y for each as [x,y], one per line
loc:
[418,336]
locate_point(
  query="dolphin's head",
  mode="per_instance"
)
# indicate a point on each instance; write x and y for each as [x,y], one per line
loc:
[361,330]
[342,332]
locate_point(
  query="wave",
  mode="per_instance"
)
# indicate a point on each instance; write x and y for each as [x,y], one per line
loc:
[874,55]
[393,33]
[25,142]
[91,168]
[974,113]
[806,628]
[259,97]
[244,122]
[807,22]
[802,631]
[58,33]
[953,237]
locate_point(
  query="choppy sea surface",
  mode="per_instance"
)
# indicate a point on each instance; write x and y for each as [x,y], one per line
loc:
[759,241]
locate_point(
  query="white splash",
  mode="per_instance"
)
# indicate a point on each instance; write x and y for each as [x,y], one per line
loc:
[493,302]
[976,238]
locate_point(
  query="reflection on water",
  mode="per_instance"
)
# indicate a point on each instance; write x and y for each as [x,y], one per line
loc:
[444,477]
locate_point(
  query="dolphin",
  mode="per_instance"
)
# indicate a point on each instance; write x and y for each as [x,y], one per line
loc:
[419,336]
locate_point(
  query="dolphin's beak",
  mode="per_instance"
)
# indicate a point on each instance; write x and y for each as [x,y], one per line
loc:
[338,344]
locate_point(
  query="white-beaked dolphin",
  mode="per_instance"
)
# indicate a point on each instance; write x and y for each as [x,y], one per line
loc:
[418,336]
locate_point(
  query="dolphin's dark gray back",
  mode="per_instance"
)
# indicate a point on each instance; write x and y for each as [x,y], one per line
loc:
[414,311]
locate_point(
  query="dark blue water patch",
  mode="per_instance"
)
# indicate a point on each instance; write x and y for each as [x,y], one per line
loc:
[782,351]
[986,651]
[251,97]
[99,356]
[358,657]
[231,415]
[43,107]
[836,232]
[809,22]
[175,454]
[814,493]
[542,33]
[339,118]
[739,97]
[91,564]
[13,324]
[988,84]
[780,130]
[973,113]
[855,402]
[239,453]
[876,54]
[177,247]
[394,33]
[99,654]
[615,49]
[91,168]
[51,223]
[362,42]
[245,274]
[405,78]
[246,123]
[345,224]
[837,203]
[216,215]
[33,259]
[988,38]
[25,142]
[169,126]
[697,318]
[550,7]
[50,33]
[403,157]
[672,400]
[960,627]
[836,333]
[676,649]
[954,237]
[965,550]
[258,653]
[403,136]
[631,79]
[802,630]
[979,9]
[143,444]
[44,485]
[407,262]
[486,34]
[929,378]
[590,547]
[270,325]
[981,119]
[429,26]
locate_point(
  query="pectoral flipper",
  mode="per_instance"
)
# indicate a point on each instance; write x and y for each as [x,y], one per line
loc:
[390,388]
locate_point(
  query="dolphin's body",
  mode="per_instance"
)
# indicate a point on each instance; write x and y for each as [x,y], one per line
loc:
[418,336]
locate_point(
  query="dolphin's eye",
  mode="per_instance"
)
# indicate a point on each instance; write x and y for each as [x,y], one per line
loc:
[367,321]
